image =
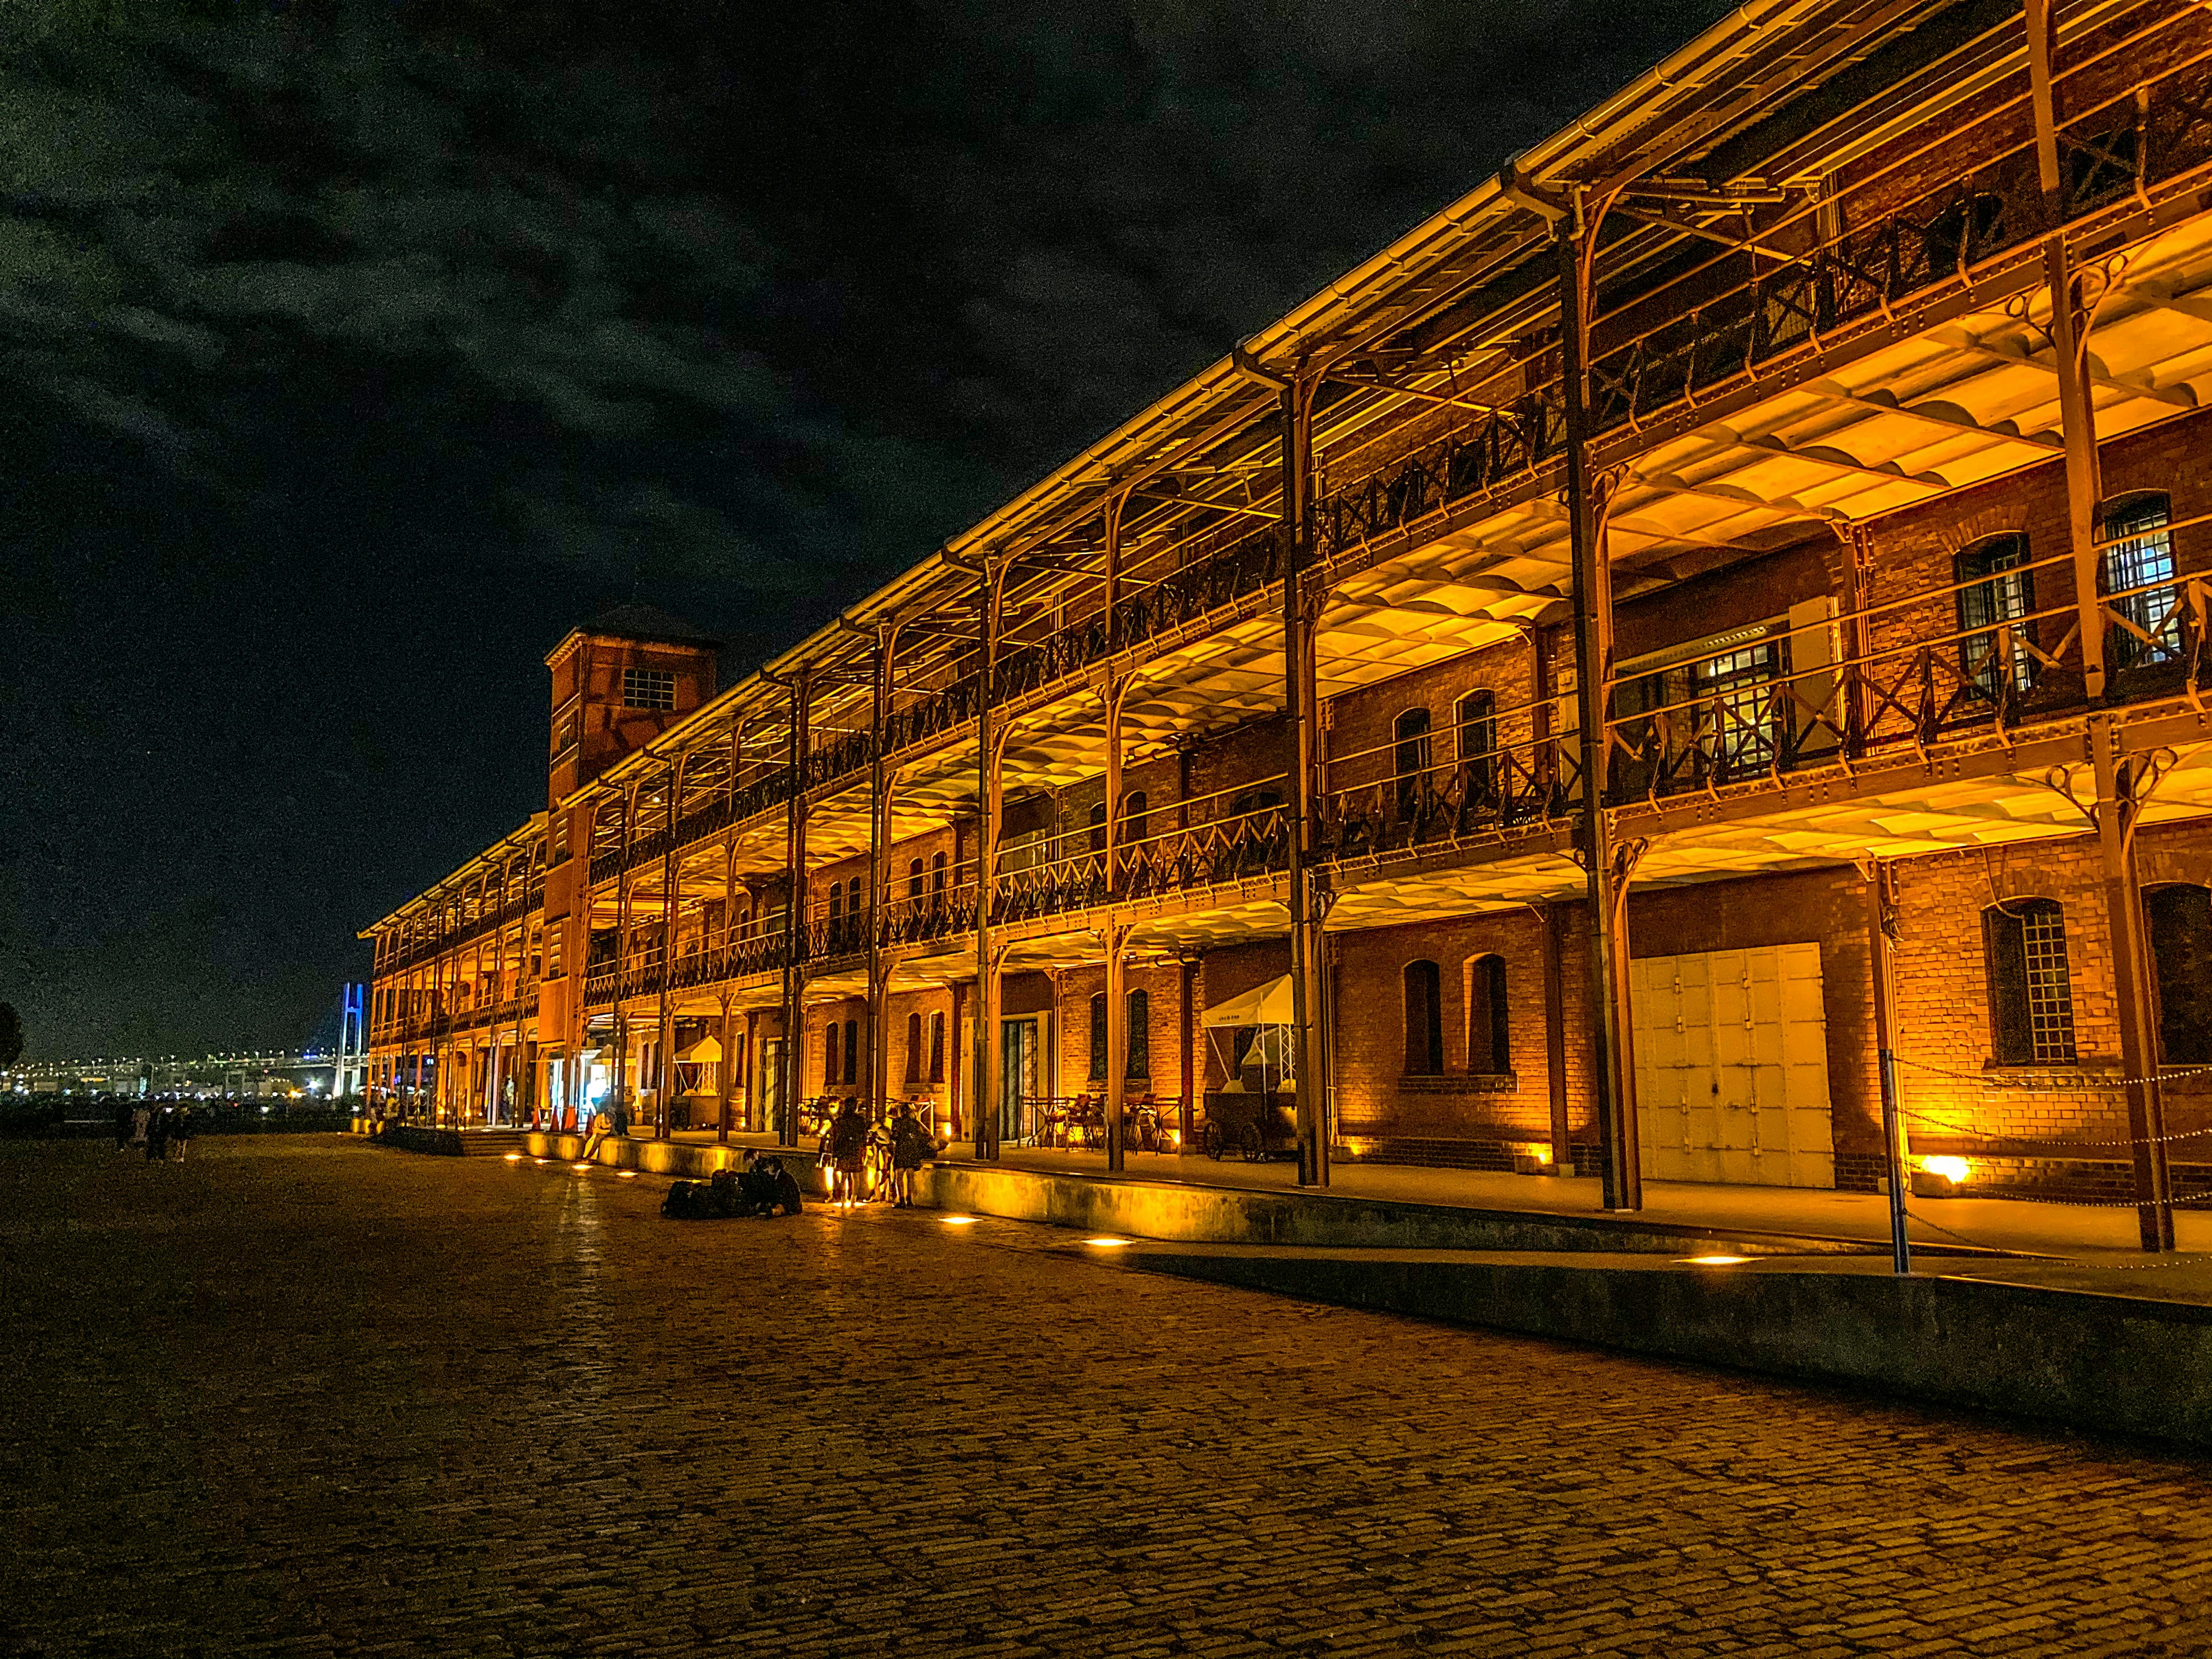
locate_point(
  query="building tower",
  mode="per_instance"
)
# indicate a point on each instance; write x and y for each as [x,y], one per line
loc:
[619,681]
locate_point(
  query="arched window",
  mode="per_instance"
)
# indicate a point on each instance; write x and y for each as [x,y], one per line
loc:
[1140,1035]
[914,880]
[1099,827]
[1424,1020]
[1410,759]
[914,1050]
[936,1047]
[1098,1036]
[2138,567]
[829,1054]
[852,1050]
[1489,1050]
[937,876]
[2031,994]
[1476,717]
[836,916]
[2002,592]
[1134,810]
[2180,921]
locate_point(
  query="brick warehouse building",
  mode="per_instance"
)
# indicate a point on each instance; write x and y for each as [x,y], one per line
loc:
[1748,573]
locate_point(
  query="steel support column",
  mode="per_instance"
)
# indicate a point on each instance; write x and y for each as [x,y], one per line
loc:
[1115,933]
[725,1073]
[662,1116]
[1604,869]
[794,921]
[989,802]
[879,832]
[2069,346]
[1880,883]
[1301,706]
[2123,782]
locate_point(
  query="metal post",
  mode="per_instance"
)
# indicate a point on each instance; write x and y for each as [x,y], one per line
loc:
[2069,344]
[663,1117]
[1554,924]
[989,798]
[879,831]
[1882,942]
[1604,879]
[1115,934]
[726,1074]
[1299,701]
[794,921]
[2120,789]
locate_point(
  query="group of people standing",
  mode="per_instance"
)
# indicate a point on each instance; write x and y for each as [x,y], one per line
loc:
[164,1132]
[845,1149]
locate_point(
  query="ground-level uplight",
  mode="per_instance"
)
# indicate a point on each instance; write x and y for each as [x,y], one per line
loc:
[1953,1169]
[957,1220]
[1107,1243]
[580,1166]
[516,1157]
[544,1160]
[628,1175]
[1712,1260]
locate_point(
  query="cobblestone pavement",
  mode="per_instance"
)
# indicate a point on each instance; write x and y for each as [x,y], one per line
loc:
[308,1397]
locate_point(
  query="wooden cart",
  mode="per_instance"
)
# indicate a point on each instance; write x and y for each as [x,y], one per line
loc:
[1258,1126]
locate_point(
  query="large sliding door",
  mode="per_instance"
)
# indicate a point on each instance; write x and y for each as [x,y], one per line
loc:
[1732,1067]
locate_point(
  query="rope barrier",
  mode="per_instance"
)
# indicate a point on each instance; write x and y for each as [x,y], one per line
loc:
[2046,1140]
[2098,1086]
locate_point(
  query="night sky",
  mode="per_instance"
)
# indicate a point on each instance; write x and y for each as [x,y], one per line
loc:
[351,353]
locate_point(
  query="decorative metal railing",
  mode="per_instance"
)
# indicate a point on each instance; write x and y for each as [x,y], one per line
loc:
[1385,799]
[531,898]
[1907,677]
[1712,318]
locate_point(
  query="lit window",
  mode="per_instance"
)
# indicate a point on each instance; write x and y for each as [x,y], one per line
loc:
[1737,706]
[648,688]
[2138,568]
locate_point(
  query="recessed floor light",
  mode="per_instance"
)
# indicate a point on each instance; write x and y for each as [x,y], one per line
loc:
[1711,1260]
[957,1220]
[1108,1243]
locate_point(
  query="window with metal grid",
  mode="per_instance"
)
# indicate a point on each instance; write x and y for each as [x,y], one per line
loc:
[2138,567]
[2049,995]
[648,688]
[2031,991]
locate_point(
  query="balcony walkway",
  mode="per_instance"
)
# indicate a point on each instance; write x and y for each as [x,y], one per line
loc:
[2081,1232]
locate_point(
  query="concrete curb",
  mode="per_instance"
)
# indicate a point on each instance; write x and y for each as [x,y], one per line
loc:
[2107,1364]
[678,1158]
[1231,1215]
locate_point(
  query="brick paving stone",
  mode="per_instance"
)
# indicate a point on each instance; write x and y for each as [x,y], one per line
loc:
[308,1397]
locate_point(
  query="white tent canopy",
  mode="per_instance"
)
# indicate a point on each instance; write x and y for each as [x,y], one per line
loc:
[1265,1005]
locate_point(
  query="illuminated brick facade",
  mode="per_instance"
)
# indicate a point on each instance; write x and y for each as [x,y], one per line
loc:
[1872,582]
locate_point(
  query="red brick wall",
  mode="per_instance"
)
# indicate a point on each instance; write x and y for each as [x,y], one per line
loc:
[1372,1098]
[1943,1002]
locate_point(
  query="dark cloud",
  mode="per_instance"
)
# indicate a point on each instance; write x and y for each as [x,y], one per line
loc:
[347,351]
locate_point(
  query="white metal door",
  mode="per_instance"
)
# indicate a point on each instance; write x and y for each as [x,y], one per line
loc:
[1732,1066]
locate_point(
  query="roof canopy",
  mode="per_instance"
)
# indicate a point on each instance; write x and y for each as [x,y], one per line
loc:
[1266,1005]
